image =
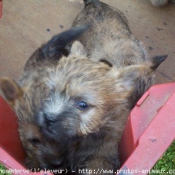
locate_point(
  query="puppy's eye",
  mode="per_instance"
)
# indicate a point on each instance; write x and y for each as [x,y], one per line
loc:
[34,141]
[82,105]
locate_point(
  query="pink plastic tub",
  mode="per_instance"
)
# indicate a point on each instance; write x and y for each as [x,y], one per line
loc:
[149,131]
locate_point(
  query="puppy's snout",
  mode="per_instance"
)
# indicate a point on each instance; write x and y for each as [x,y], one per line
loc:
[49,120]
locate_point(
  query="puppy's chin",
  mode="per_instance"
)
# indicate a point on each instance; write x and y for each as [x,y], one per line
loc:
[50,134]
[53,168]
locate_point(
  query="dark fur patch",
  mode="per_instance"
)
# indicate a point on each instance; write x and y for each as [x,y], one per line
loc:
[158,60]
[57,45]
[106,62]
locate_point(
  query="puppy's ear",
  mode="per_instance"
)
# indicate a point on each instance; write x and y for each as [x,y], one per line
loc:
[156,61]
[77,49]
[131,82]
[10,89]
[57,45]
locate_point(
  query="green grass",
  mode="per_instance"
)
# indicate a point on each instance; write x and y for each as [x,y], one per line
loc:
[166,163]
[3,170]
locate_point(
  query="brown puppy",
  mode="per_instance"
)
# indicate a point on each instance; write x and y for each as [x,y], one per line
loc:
[109,38]
[82,107]
[78,106]
[41,153]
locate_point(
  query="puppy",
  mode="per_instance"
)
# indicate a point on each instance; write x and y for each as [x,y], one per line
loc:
[78,102]
[41,153]
[109,39]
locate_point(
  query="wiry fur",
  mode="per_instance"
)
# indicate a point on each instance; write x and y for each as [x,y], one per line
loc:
[109,37]
[108,73]
[84,134]
[110,40]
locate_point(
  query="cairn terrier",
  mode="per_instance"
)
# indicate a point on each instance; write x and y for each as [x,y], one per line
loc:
[73,99]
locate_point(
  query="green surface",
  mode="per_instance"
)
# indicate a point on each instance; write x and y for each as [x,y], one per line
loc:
[3,170]
[166,164]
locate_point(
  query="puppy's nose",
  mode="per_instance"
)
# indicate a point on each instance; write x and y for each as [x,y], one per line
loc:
[49,119]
